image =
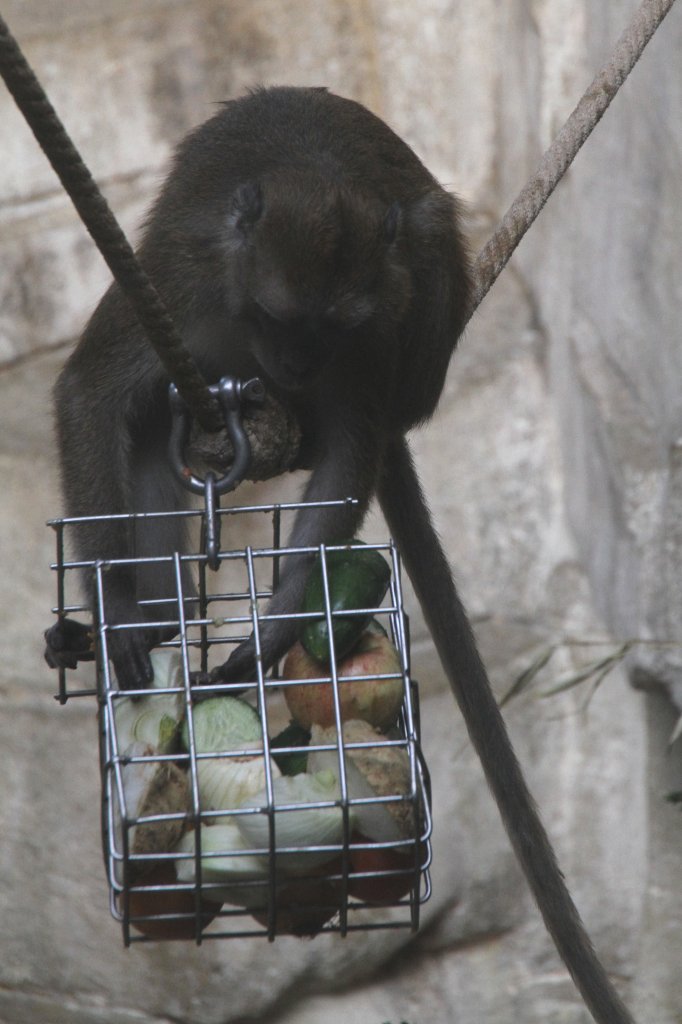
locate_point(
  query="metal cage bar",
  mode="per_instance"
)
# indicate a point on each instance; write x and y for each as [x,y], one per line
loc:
[164,882]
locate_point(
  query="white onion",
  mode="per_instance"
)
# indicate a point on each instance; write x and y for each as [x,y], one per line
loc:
[225,782]
[153,719]
[223,861]
[303,828]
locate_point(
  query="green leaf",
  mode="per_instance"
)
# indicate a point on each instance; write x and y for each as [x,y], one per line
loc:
[595,671]
[526,677]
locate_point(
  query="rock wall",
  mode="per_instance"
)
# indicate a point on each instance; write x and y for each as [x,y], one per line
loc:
[553,469]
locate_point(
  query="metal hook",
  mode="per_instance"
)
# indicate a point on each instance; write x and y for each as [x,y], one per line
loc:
[211,522]
[232,394]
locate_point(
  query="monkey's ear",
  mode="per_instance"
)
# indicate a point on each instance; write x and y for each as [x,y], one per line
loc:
[247,206]
[392,219]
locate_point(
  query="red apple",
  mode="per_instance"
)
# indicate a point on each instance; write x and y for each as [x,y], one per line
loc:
[373,700]
[154,903]
[305,905]
[380,888]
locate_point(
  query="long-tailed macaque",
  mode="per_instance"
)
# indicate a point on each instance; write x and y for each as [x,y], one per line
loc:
[298,239]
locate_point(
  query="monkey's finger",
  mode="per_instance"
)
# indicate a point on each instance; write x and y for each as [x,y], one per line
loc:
[240,667]
[64,659]
[200,679]
[132,664]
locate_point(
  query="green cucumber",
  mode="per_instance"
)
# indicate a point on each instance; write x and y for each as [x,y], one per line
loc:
[294,735]
[357,579]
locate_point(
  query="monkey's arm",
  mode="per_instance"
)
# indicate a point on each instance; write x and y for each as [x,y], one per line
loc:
[111,428]
[408,519]
[347,470]
[95,450]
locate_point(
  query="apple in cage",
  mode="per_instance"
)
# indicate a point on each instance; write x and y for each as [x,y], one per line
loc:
[303,906]
[370,697]
[170,912]
[390,871]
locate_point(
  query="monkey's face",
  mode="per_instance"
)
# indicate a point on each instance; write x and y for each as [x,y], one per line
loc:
[320,277]
[291,348]
[294,346]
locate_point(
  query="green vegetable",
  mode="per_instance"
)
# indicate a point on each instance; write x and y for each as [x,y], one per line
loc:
[223,724]
[227,726]
[293,736]
[357,579]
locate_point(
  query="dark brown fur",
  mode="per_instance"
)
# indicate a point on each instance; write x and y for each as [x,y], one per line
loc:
[299,239]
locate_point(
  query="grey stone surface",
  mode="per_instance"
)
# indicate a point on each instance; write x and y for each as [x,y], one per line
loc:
[553,469]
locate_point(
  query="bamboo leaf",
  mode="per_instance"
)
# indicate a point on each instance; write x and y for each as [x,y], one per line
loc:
[526,677]
[596,670]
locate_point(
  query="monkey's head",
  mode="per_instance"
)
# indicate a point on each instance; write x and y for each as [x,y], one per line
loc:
[317,270]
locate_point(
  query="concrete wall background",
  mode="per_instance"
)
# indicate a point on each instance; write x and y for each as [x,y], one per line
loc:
[553,469]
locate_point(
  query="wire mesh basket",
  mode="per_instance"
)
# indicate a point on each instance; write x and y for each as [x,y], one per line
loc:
[226,811]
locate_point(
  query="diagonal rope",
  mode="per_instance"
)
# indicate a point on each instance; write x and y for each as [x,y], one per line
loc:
[496,252]
[105,230]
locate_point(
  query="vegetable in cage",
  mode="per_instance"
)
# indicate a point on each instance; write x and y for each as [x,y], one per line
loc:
[293,804]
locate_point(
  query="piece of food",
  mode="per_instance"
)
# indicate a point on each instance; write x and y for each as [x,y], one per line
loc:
[357,579]
[375,699]
[154,719]
[225,782]
[227,867]
[304,906]
[231,874]
[306,834]
[379,770]
[222,727]
[144,728]
[170,913]
[394,867]
[294,761]
[151,788]
[222,724]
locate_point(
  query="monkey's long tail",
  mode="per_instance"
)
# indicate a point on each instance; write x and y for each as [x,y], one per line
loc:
[408,519]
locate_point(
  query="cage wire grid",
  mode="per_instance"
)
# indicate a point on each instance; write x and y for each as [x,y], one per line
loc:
[165,887]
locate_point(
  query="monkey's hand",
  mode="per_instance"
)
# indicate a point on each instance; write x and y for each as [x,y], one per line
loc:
[240,667]
[67,643]
[129,653]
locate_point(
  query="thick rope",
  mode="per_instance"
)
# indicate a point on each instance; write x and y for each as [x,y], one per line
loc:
[495,254]
[106,232]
